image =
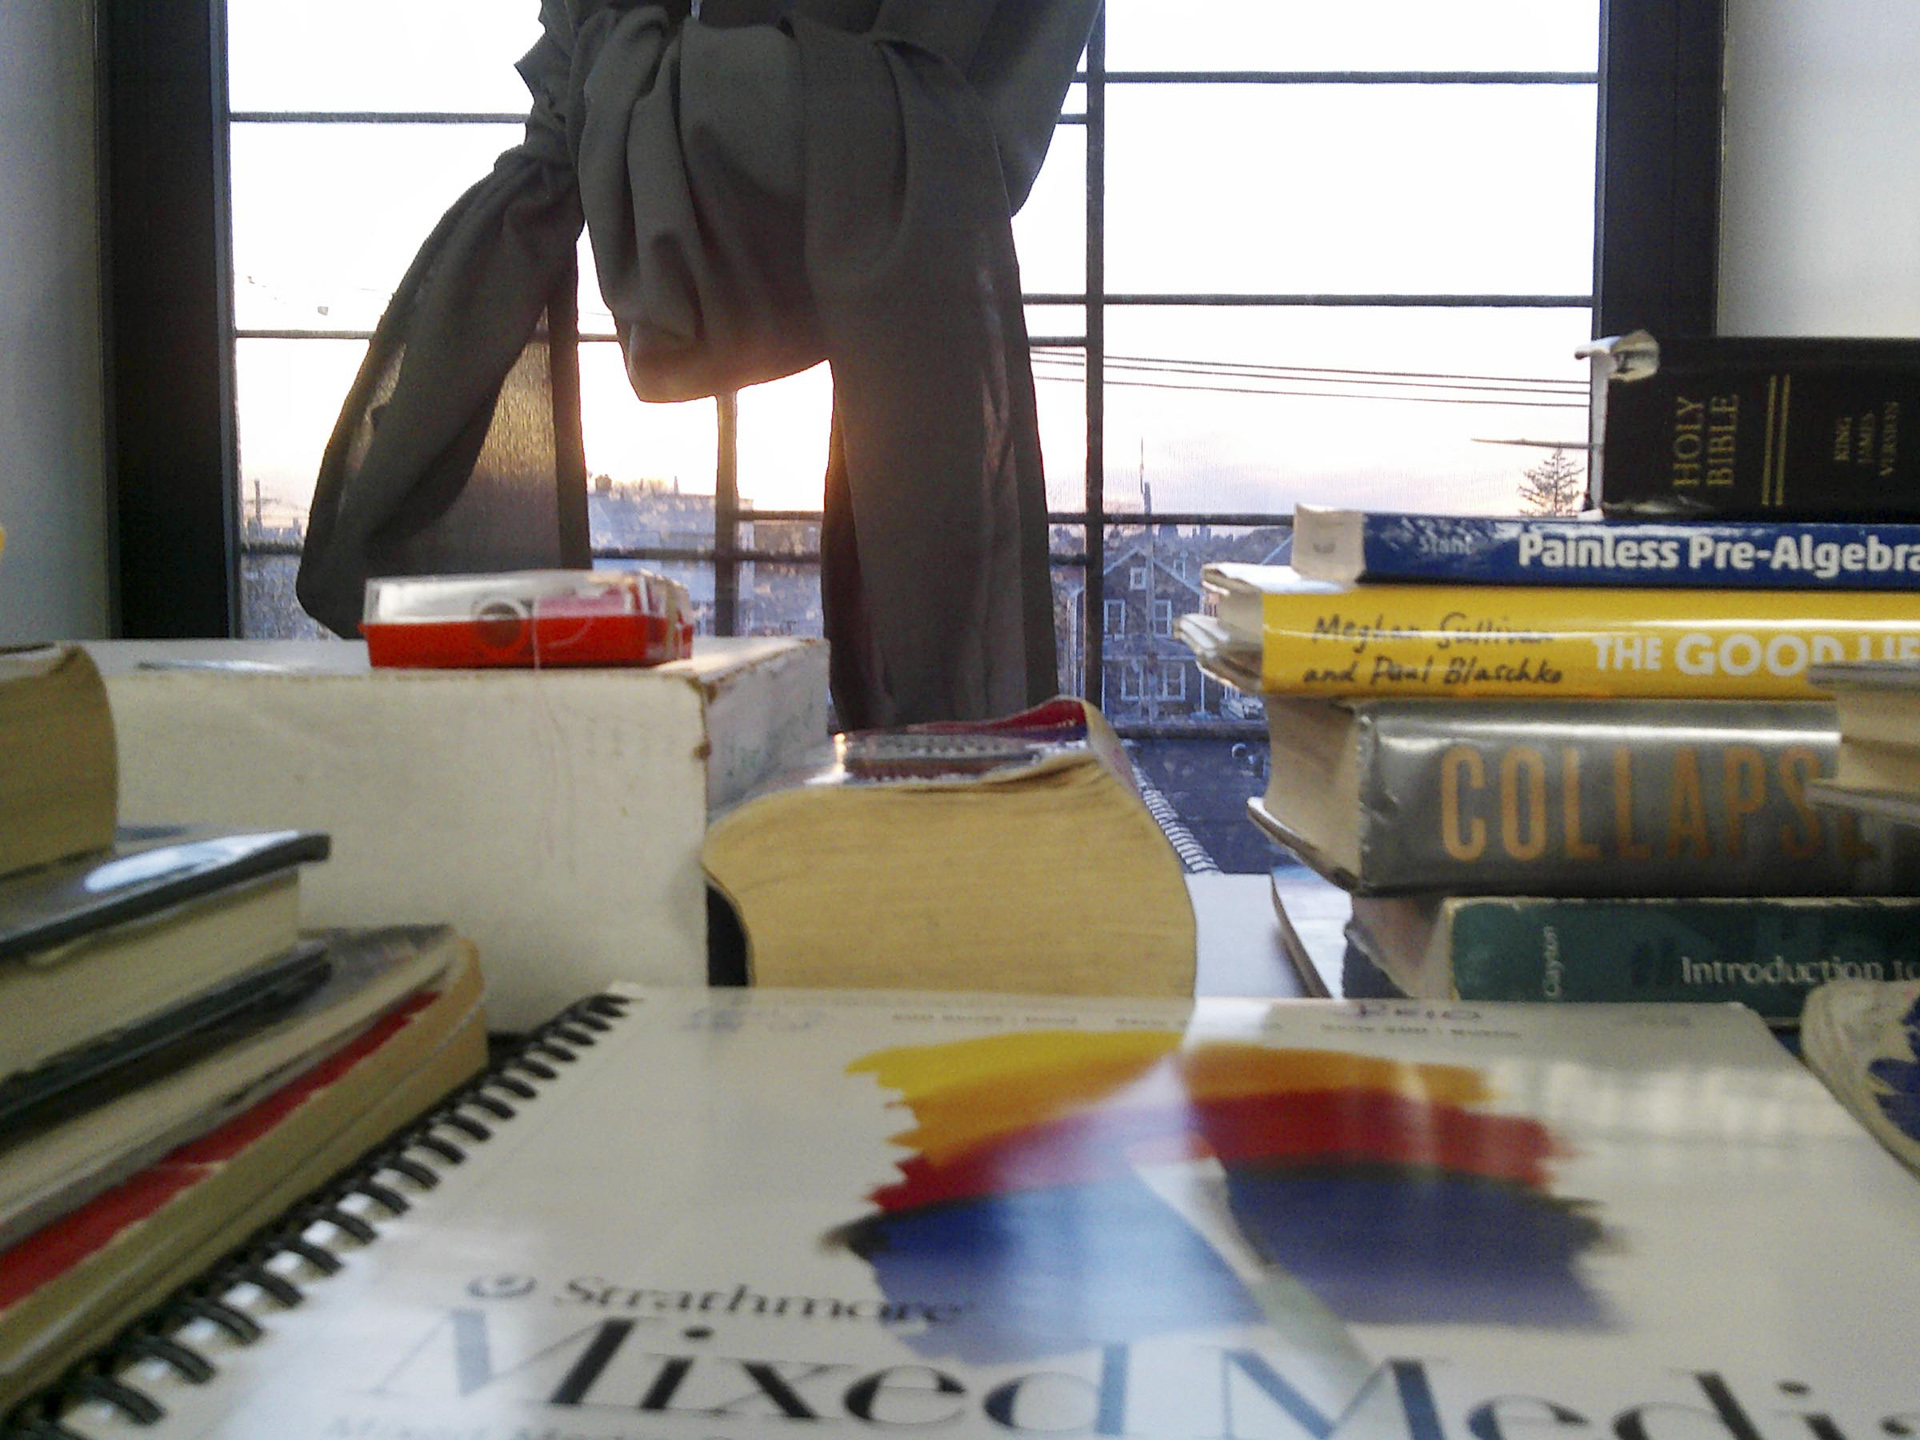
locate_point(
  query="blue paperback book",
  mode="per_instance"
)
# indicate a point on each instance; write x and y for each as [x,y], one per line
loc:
[1345,546]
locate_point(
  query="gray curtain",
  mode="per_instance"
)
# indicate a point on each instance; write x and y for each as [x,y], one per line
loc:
[768,184]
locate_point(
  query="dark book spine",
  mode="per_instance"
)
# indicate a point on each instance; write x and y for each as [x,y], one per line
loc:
[1363,979]
[1613,797]
[1765,954]
[1766,430]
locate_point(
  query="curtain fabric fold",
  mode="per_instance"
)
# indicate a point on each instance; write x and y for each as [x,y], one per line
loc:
[770,184]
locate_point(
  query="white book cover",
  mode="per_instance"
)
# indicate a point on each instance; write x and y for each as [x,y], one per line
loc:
[553,816]
[757,1214]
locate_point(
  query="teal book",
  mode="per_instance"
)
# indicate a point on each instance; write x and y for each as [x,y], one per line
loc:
[1767,954]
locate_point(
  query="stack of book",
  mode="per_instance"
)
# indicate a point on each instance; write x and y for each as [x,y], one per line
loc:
[1574,758]
[1877,707]
[178,1059]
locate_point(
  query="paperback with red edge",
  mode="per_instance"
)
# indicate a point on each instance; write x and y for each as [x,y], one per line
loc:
[527,619]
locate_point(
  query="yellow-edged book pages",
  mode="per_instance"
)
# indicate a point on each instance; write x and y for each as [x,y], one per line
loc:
[59,776]
[1013,855]
[1541,641]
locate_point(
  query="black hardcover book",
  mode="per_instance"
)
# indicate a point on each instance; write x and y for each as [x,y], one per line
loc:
[57,1165]
[1760,428]
[1362,979]
[149,869]
[160,1044]
[168,915]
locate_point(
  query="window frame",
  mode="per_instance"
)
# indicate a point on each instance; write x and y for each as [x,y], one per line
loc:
[168,303]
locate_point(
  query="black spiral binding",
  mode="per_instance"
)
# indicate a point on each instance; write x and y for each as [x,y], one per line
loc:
[154,1336]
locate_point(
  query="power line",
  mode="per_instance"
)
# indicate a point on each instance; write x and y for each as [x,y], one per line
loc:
[1158,362]
[1327,394]
[1488,398]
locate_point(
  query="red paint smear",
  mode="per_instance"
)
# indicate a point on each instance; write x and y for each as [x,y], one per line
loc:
[1326,1127]
[56,1248]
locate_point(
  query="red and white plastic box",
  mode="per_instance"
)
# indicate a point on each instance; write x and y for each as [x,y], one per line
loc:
[527,619]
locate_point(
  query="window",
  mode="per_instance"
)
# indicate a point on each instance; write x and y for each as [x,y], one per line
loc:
[1173,679]
[1250,361]
[1115,621]
[1137,577]
[1163,617]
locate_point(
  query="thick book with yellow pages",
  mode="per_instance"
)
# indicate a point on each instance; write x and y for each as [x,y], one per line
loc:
[1266,628]
[58,769]
[753,1214]
[1014,854]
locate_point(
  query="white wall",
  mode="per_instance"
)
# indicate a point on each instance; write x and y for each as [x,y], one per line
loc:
[1820,225]
[53,570]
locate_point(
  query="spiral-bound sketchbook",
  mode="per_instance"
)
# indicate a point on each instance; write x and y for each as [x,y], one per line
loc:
[727,1216]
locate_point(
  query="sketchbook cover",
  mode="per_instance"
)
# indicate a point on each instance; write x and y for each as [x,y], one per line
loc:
[831,1214]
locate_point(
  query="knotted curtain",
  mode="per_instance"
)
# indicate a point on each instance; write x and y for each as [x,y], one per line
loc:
[763,186]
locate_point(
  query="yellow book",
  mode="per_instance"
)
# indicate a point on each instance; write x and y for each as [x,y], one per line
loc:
[1267,629]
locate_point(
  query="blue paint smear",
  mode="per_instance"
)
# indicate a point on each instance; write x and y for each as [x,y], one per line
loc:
[1902,1107]
[1409,1245]
[1047,1272]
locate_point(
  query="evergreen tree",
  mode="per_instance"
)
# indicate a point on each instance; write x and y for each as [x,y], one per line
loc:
[1556,486]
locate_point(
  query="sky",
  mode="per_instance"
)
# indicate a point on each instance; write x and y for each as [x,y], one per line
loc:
[1237,189]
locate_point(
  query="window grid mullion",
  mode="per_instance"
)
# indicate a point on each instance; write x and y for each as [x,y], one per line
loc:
[729,552]
[1093,611]
[726,515]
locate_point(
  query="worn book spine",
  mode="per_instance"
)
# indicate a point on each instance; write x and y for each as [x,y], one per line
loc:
[58,762]
[1766,429]
[1765,953]
[1350,545]
[1553,641]
[1611,797]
